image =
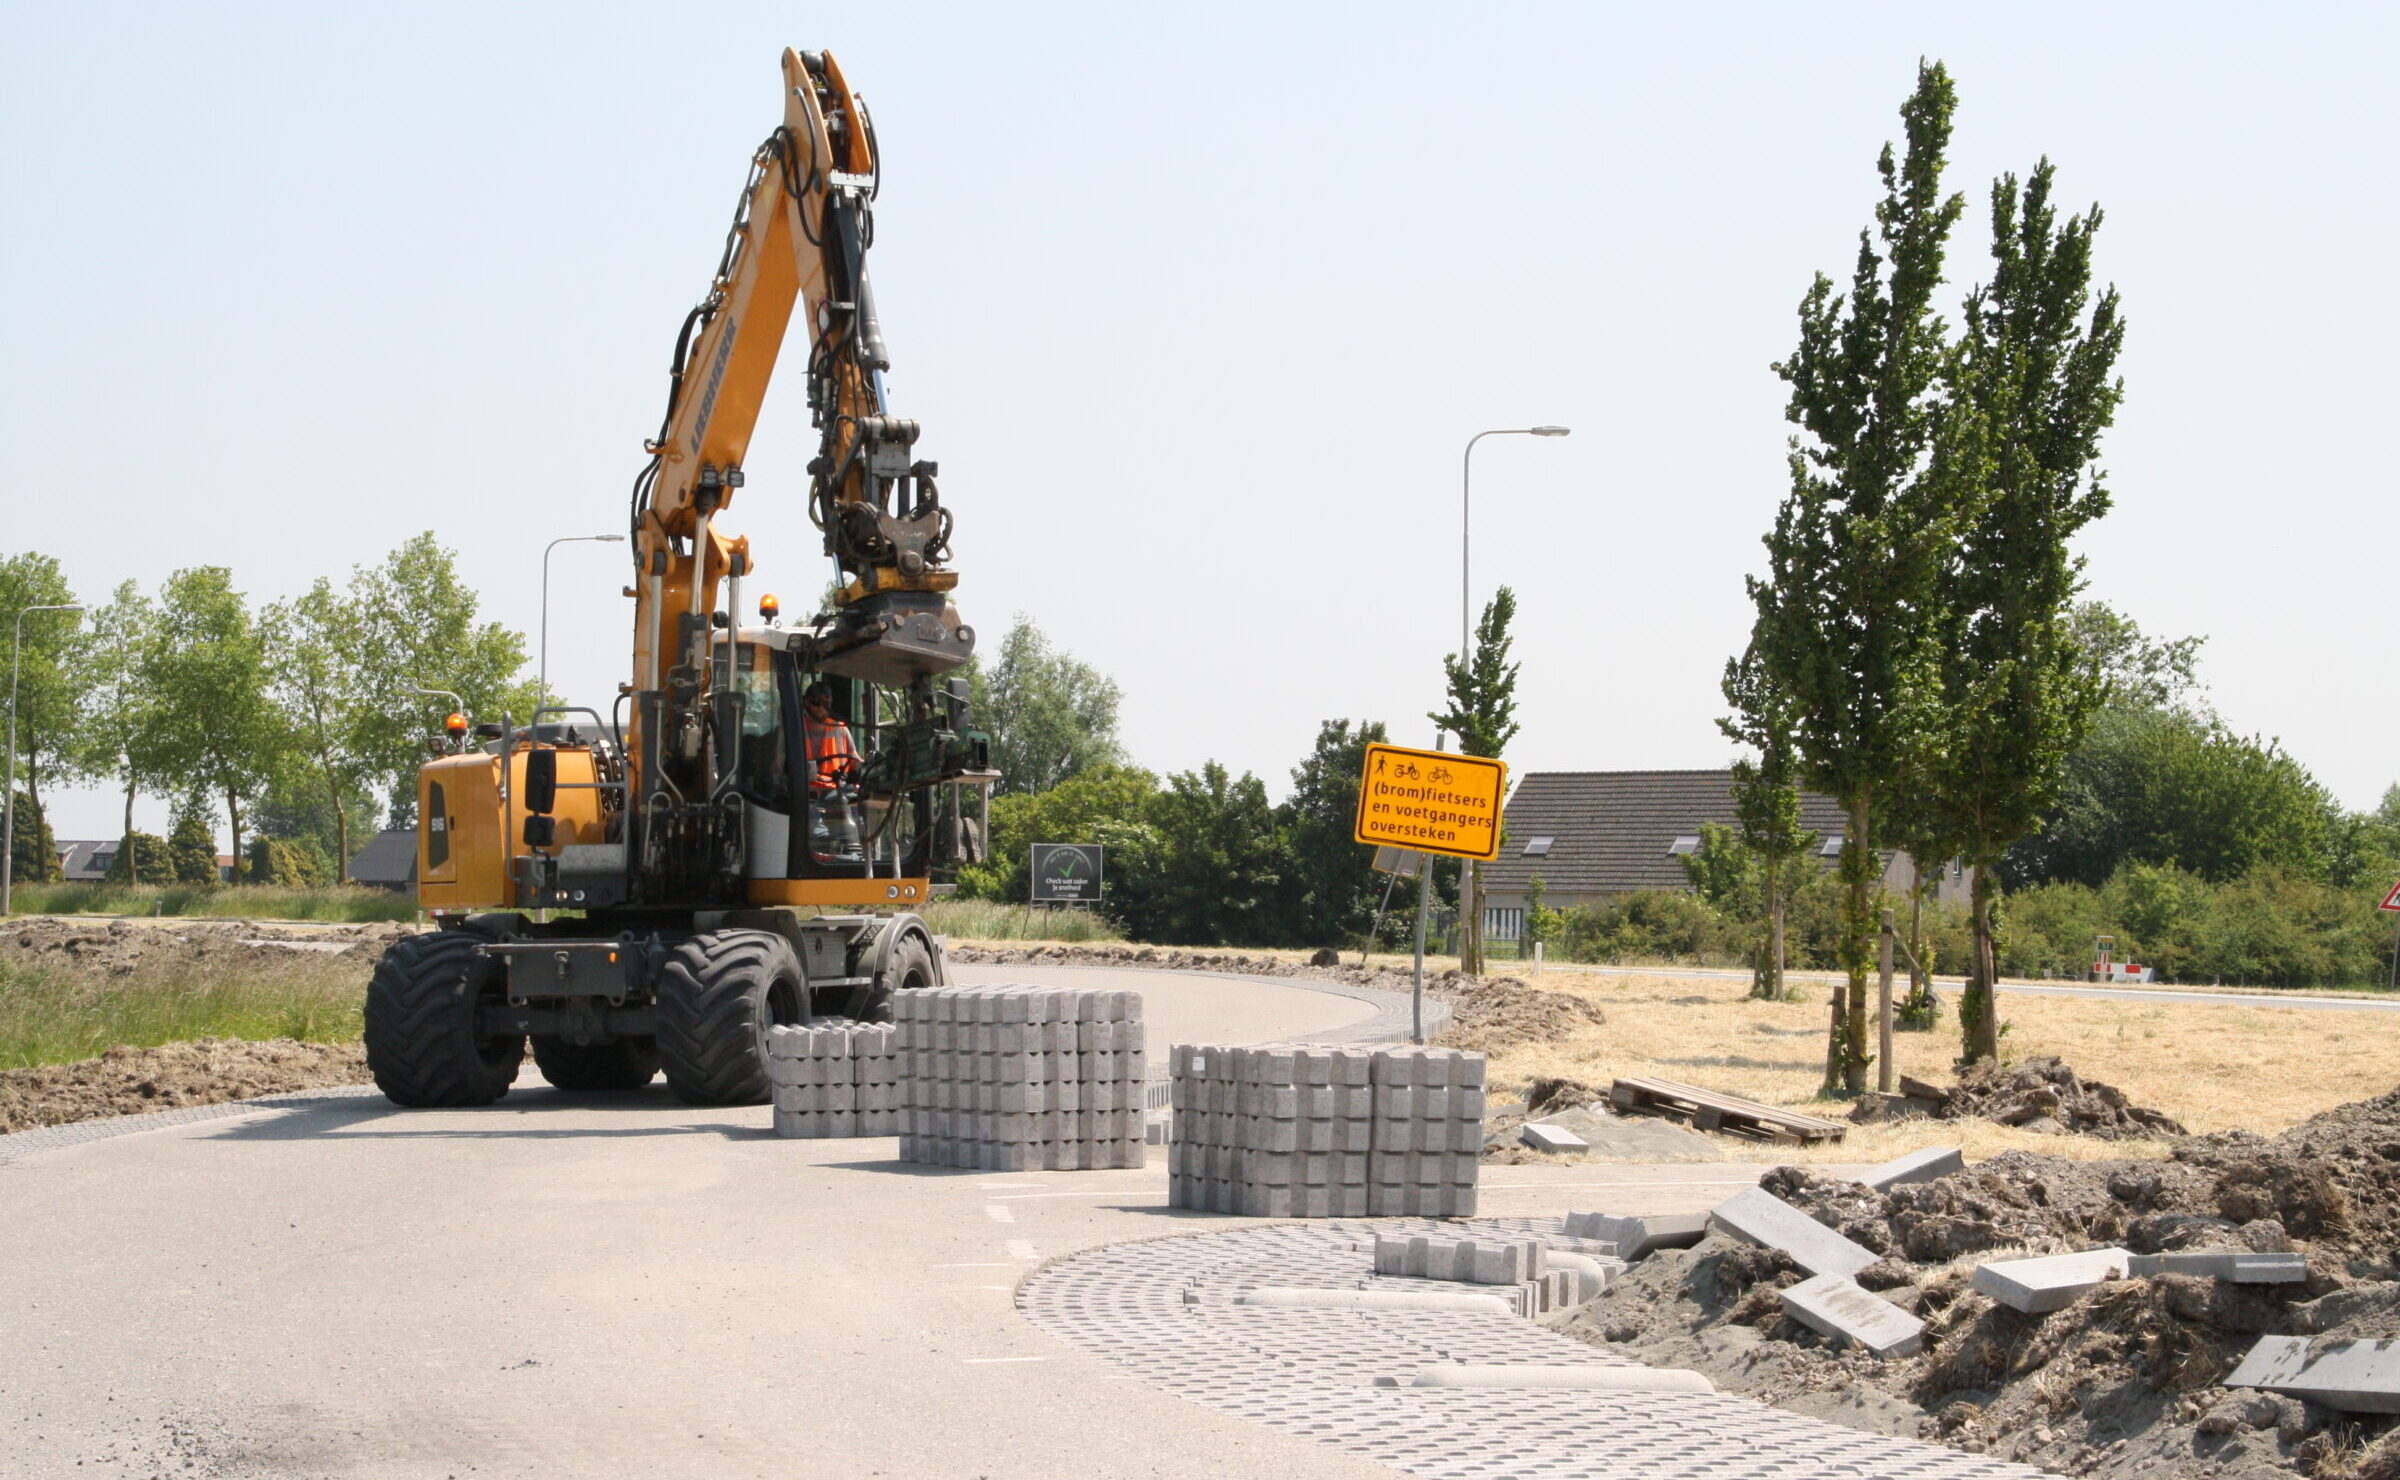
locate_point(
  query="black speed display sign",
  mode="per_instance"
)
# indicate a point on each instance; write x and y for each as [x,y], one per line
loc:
[1066,873]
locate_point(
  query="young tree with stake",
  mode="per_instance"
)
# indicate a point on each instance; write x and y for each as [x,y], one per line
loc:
[1482,689]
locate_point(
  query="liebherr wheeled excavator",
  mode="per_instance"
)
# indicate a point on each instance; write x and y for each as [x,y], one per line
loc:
[744,839]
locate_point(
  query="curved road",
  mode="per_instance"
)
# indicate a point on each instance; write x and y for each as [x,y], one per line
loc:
[620,1287]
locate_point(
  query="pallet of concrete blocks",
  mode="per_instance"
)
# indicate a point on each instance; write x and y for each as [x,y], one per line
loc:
[1284,1131]
[1021,1078]
[834,1079]
[1428,1138]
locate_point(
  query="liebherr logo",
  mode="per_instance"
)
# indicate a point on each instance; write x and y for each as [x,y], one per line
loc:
[716,378]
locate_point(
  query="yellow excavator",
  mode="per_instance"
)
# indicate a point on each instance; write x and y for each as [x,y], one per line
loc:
[744,839]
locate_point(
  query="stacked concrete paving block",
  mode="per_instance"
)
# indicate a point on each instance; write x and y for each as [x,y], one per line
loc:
[1494,1259]
[1018,1079]
[1297,1132]
[834,1079]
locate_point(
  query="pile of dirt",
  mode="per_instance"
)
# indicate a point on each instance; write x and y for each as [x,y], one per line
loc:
[2123,1382]
[2038,1094]
[119,947]
[204,1071]
[1488,1014]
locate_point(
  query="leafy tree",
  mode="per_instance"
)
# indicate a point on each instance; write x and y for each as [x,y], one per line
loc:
[1482,690]
[192,844]
[1108,805]
[410,620]
[119,735]
[1543,925]
[1766,804]
[1721,870]
[2142,672]
[220,732]
[298,863]
[330,702]
[1223,863]
[50,672]
[32,850]
[1050,715]
[1334,887]
[1841,628]
[2034,387]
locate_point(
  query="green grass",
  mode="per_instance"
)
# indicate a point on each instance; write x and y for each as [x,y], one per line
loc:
[347,904]
[981,919]
[52,1014]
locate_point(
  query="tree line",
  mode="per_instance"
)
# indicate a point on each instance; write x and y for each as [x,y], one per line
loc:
[291,722]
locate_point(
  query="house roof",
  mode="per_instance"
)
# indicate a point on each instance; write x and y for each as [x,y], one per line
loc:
[85,860]
[389,861]
[1612,832]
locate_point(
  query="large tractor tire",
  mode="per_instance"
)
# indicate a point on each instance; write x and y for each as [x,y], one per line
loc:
[717,996]
[422,1046]
[910,969]
[595,1068]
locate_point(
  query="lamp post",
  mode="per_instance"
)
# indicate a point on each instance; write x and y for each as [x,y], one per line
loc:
[1466,531]
[542,680]
[8,827]
[1466,507]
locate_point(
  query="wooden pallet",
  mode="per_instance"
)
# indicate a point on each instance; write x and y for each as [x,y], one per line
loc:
[1709,1111]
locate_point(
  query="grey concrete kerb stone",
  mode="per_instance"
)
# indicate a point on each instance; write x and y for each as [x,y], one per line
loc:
[2054,1282]
[1760,1217]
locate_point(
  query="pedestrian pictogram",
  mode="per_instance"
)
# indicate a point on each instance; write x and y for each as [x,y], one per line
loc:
[1431,802]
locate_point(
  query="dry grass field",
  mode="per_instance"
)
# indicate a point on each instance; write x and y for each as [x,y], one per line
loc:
[2213,1068]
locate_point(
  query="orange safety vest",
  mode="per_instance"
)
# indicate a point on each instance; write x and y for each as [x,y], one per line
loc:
[832,755]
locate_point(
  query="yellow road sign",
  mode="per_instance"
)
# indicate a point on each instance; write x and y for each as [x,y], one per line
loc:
[1431,802]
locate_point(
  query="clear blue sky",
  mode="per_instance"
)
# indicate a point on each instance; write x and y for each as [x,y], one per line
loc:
[1198,306]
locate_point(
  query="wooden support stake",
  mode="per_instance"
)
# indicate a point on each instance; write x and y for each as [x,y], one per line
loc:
[1883,1008]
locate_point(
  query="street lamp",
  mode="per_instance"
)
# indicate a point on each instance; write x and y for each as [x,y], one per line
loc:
[542,681]
[1465,508]
[8,828]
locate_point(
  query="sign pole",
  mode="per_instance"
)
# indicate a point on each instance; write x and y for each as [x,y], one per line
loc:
[2391,903]
[1883,1009]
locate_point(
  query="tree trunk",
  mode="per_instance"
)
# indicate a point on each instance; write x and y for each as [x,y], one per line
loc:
[1848,1048]
[233,810]
[341,828]
[43,859]
[1766,983]
[1979,1010]
[133,856]
[1470,925]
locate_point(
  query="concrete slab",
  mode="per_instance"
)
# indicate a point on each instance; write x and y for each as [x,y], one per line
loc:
[2351,1376]
[1293,1297]
[1761,1217]
[2273,1362]
[1634,1137]
[1635,1236]
[1917,1166]
[2039,1286]
[1591,1378]
[1836,1306]
[2234,1266]
[1552,1138]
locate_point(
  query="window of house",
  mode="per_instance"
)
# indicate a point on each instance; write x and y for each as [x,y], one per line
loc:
[1685,843]
[1538,847]
[1831,849]
[1504,923]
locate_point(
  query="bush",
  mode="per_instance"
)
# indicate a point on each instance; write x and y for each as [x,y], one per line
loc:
[1652,925]
[141,858]
[983,919]
[192,847]
[293,862]
[344,903]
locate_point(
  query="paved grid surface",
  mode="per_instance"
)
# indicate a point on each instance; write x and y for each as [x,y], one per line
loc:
[1163,1309]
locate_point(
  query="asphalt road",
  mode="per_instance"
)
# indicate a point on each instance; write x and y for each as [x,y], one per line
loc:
[2188,996]
[623,1287]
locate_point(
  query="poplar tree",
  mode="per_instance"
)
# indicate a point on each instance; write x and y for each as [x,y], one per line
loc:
[2035,388]
[1482,688]
[1766,806]
[1842,623]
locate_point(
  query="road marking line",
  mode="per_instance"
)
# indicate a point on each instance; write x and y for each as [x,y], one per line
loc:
[985,1361]
[988,1186]
[995,1287]
[999,1214]
[1021,1248]
[988,1264]
[1695,1182]
[1099,1192]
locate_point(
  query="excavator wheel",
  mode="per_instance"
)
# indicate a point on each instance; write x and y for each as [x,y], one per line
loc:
[717,996]
[627,1063]
[422,1046]
[909,970]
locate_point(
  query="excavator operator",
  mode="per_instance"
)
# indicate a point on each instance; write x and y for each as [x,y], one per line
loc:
[833,768]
